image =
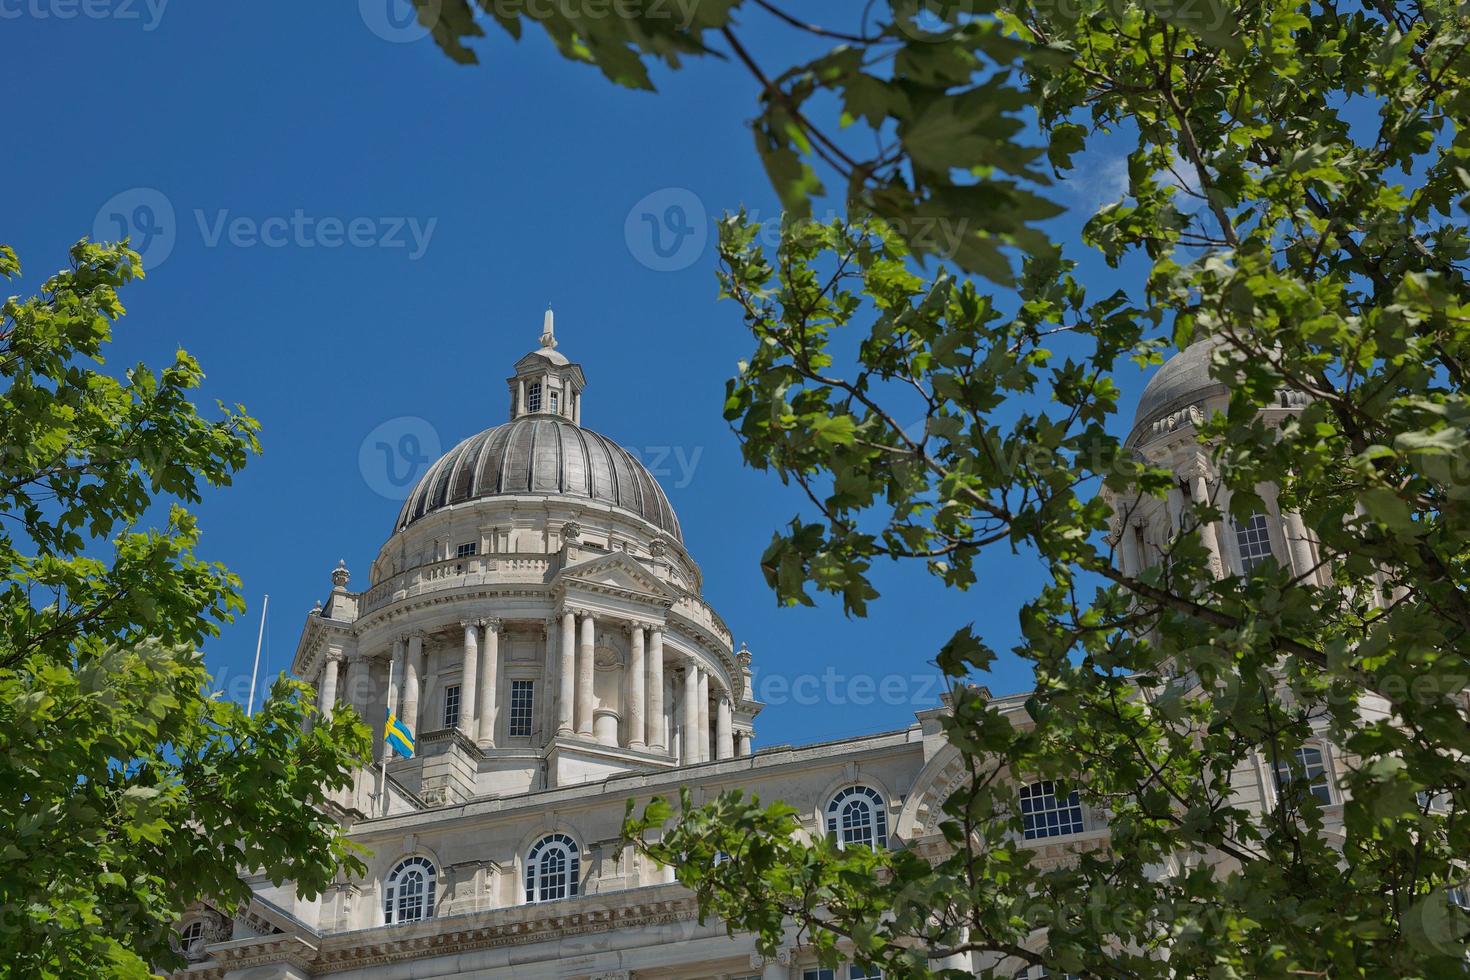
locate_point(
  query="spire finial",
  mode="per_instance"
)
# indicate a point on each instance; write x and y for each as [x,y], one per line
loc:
[548,331]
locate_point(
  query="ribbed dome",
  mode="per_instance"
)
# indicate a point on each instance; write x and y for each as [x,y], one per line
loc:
[541,455]
[1180,381]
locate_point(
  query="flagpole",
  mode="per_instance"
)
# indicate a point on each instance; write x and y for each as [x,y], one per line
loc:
[250,705]
[388,713]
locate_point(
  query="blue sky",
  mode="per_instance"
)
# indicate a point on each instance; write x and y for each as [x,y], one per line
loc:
[363,234]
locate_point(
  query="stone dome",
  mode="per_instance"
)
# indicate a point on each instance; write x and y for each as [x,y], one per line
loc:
[541,455]
[1181,381]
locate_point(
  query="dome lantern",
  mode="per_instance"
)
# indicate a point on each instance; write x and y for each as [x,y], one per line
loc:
[545,382]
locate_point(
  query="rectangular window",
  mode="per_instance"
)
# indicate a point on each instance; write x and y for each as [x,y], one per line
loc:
[522,700]
[533,399]
[818,975]
[467,550]
[451,706]
[1044,814]
[1305,763]
[856,972]
[1253,539]
[555,398]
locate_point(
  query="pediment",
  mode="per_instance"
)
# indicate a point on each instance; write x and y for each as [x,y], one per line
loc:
[617,572]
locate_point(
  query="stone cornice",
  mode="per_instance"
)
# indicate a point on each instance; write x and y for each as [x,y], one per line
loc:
[636,784]
[612,591]
[314,636]
[517,926]
[410,606]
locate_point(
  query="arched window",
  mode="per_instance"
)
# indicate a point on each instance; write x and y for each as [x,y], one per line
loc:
[552,869]
[1306,764]
[410,892]
[533,398]
[1044,814]
[856,817]
[191,937]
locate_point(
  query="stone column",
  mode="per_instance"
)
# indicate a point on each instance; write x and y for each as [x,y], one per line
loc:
[770,969]
[489,683]
[1300,546]
[1201,492]
[566,677]
[395,682]
[326,692]
[584,675]
[357,685]
[1131,555]
[655,738]
[519,408]
[469,680]
[689,752]
[633,717]
[701,741]
[724,735]
[412,664]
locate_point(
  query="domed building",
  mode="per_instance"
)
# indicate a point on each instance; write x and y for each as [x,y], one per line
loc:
[536,625]
[1179,396]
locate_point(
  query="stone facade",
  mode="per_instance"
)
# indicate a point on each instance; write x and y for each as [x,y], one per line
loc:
[536,620]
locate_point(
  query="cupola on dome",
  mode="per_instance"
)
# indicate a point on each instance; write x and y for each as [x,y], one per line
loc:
[542,451]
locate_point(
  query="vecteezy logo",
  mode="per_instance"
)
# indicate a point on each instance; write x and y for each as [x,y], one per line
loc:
[143,215]
[666,230]
[400,21]
[396,454]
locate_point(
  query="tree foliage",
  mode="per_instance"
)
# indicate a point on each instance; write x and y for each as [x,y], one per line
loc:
[1296,190]
[127,789]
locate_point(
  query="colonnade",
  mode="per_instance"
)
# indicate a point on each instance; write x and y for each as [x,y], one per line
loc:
[646,724]
[644,711]
[1196,484]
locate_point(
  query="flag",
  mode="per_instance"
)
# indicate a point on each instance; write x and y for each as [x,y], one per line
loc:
[398,736]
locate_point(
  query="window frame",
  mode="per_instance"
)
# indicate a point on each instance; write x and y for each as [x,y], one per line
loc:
[873,833]
[189,934]
[569,876]
[1248,542]
[517,685]
[467,550]
[533,397]
[1297,767]
[1063,818]
[453,705]
[393,899]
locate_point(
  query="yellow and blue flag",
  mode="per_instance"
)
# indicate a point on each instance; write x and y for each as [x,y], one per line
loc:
[398,736]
